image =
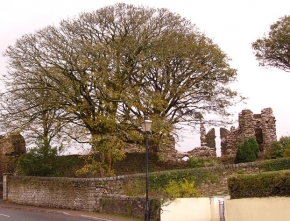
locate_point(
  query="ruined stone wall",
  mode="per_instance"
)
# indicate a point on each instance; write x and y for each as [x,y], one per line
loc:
[224,142]
[229,141]
[202,135]
[12,146]
[207,148]
[268,128]
[210,139]
[260,126]
[200,152]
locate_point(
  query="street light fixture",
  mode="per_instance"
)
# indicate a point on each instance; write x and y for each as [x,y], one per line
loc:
[146,126]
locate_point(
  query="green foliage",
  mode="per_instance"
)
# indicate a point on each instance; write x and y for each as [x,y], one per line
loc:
[273,50]
[287,151]
[107,149]
[279,148]
[285,141]
[181,189]
[101,71]
[39,161]
[44,160]
[276,151]
[254,145]
[261,185]
[201,162]
[247,151]
[159,181]
[91,168]
[276,164]
[196,162]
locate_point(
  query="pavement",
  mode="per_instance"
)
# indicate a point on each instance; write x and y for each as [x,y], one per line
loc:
[89,215]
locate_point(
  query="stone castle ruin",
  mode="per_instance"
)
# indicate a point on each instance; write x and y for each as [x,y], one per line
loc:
[261,126]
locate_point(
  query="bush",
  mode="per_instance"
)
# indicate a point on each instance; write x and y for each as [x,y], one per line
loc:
[247,151]
[287,152]
[285,141]
[261,185]
[280,148]
[276,164]
[44,160]
[276,150]
[39,162]
[181,189]
[196,162]
[254,145]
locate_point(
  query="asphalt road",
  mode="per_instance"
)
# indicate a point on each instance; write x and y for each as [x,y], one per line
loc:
[22,215]
[16,212]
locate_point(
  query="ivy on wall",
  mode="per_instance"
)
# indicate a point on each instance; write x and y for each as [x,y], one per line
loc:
[159,182]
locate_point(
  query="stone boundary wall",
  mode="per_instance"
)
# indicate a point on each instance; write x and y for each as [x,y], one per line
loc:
[95,194]
[218,185]
[88,194]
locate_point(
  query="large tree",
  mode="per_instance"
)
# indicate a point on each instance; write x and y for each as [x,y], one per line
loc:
[274,48]
[105,70]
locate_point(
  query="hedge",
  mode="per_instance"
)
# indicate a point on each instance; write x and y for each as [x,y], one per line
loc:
[266,184]
[276,164]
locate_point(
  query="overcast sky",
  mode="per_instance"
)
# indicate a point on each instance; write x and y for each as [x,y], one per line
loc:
[232,24]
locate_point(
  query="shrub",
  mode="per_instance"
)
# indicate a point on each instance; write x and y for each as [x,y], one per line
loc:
[247,151]
[196,162]
[276,164]
[280,148]
[40,161]
[181,189]
[267,184]
[276,150]
[285,141]
[44,160]
[254,145]
[287,152]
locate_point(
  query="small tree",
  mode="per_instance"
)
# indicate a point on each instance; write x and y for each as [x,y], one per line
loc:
[280,148]
[39,161]
[276,151]
[254,145]
[285,142]
[247,151]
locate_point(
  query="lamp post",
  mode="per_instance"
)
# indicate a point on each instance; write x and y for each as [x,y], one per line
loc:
[146,126]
